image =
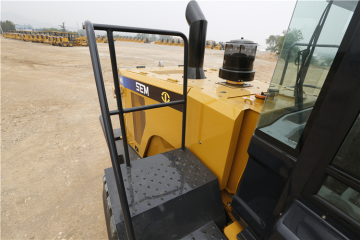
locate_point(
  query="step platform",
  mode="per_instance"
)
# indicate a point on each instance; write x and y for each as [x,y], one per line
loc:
[170,196]
[209,231]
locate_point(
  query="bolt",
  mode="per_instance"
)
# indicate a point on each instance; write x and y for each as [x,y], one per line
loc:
[323,217]
[280,214]
[199,142]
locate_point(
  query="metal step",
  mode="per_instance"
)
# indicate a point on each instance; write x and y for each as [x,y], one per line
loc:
[210,231]
[117,134]
[170,196]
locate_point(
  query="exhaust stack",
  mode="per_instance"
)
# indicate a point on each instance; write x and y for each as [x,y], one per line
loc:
[197,40]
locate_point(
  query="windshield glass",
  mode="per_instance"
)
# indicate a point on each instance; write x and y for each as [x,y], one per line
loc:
[311,43]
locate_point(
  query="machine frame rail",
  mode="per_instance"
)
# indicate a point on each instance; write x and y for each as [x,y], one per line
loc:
[109,134]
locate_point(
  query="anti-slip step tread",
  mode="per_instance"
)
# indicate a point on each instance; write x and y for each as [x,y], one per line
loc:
[207,232]
[156,187]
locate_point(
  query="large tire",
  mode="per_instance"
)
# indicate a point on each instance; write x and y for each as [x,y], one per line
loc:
[71,44]
[64,44]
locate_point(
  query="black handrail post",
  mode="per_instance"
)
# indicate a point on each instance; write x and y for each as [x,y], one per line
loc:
[108,129]
[118,95]
[186,46]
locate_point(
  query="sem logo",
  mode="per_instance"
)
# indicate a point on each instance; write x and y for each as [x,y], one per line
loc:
[165,97]
[141,88]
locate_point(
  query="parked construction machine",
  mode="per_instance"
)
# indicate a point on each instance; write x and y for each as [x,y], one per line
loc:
[159,41]
[210,44]
[219,46]
[81,41]
[218,154]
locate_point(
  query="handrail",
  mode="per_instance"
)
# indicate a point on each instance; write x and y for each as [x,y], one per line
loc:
[90,31]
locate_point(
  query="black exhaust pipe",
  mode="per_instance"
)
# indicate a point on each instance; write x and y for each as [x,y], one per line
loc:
[197,40]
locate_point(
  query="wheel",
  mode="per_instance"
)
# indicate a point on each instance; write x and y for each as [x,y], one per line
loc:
[71,44]
[64,44]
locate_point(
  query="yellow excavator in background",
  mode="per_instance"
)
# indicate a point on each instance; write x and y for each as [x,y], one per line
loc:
[218,154]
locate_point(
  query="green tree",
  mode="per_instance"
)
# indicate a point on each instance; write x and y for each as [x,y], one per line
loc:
[81,32]
[7,25]
[272,43]
[153,37]
[285,42]
[276,42]
[51,29]
[166,37]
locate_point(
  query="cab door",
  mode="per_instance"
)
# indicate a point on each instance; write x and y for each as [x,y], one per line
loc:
[302,180]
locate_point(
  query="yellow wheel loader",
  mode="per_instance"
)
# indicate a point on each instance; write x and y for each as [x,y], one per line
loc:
[103,40]
[219,46]
[98,39]
[32,38]
[210,44]
[218,154]
[81,41]
[27,37]
[44,38]
[174,42]
[159,41]
[165,42]
[63,42]
[180,44]
[51,40]
[57,41]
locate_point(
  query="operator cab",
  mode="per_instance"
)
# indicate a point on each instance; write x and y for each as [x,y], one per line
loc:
[302,179]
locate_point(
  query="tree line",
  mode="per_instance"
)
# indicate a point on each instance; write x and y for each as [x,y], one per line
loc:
[9,25]
[281,46]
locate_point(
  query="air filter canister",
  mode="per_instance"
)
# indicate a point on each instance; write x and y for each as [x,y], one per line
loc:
[239,60]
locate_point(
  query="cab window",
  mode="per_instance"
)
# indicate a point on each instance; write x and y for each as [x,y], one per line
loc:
[311,43]
[338,193]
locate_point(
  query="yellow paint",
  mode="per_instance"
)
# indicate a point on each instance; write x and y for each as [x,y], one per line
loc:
[158,144]
[165,97]
[212,131]
[226,199]
[238,166]
[233,230]
[220,120]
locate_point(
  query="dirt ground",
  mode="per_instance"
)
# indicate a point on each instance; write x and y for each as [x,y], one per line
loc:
[53,151]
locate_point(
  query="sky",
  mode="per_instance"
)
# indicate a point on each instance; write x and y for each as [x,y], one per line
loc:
[253,20]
